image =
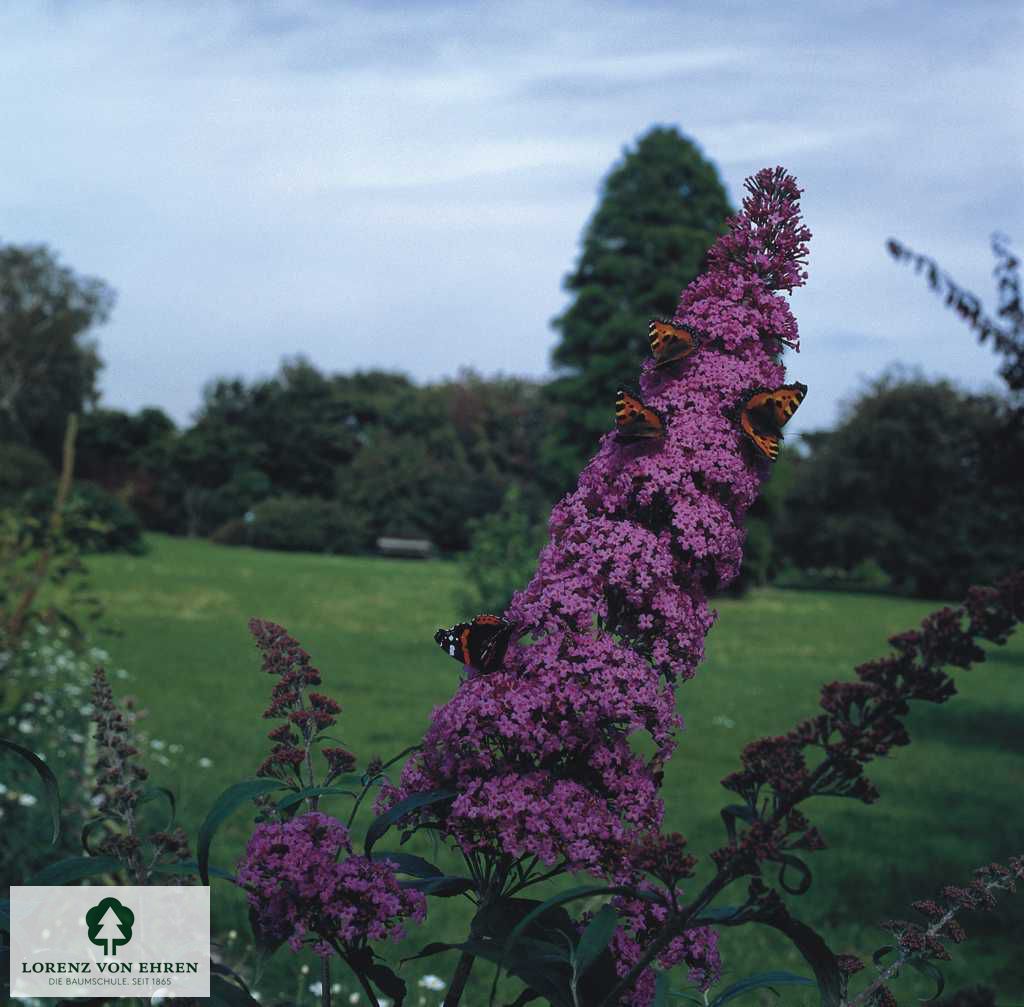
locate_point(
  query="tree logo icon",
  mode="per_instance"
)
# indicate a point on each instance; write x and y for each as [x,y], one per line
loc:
[110,924]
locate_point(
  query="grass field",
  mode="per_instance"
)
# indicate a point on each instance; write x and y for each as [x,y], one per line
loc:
[950,802]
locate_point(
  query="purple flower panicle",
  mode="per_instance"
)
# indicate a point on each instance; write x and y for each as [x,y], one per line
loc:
[304,884]
[617,610]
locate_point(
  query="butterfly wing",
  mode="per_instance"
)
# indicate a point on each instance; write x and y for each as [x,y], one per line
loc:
[669,342]
[786,400]
[455,641]
[765,441]
[489,640]
[634,420]
[766,411]
[481,643]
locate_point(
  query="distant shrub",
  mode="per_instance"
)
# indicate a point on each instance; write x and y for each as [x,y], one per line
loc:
[297,524]
[94,520]
[867,575]
[502,554]
[21,468]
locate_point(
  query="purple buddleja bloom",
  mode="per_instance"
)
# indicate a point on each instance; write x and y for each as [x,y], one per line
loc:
[539,751]
[305,885]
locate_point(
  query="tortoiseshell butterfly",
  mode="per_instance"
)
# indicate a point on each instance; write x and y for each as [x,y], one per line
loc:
[670,343]
[634,420]
[480,644]
[763,412]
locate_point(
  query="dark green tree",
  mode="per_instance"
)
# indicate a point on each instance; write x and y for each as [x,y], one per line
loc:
[48,366]
[916,477]
[661,208]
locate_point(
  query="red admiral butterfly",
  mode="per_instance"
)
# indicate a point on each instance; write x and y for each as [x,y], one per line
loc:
[481,643]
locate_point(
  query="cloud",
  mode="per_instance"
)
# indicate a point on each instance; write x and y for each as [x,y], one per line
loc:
[405,185]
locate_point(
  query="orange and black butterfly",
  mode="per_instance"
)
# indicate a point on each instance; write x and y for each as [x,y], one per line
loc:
[670,343]
[763,412]
[635,421]
[480,644]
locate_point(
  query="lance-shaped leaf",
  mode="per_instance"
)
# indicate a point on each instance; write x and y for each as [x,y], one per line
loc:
[763,980]
[74,869]
[382,823]
[232,798]
[45,774]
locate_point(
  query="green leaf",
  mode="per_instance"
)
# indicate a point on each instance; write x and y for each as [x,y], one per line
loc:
[660,991]
[926,968]
[571,895]
[429,950]
[300,795]
[191,867]
[226,994]
[804,882]
[152,794]
[63,872]
[882,952]
[49,783]
[382,823]
[817,954]
[733,811]
[414,866]
[763,980]
[233,797]
[440,887]
[595,938]
[89,827]
[719,914]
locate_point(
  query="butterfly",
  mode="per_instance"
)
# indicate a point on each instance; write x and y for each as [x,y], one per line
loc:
[481,643]
[635,421]
[669,342]
[765,411]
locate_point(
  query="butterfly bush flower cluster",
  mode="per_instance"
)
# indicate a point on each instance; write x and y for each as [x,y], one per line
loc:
[304,883]
[539,750]
[305,713]
[860,721]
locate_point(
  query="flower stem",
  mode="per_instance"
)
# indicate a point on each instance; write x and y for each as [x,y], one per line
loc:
[325,981]
[459,979]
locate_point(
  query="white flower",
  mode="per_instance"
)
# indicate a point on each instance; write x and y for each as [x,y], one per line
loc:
[3,790]
[722,721]
[25,726]
[205,763]
[27,800]
[121,673]
[232,935]
[317,989]
[158,745]
[354,998]
[335,987]
[431,982]
[304,970]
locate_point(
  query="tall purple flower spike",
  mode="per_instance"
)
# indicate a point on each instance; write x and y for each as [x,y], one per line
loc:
[617,611]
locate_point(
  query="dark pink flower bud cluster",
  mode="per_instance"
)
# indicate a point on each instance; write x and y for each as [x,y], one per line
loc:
[306,714]
[305,885]
[617,611]
[861,721]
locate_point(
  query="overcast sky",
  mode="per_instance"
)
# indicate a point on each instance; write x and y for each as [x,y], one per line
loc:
[404,185]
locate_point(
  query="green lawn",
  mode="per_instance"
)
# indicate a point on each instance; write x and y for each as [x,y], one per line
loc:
[950,802]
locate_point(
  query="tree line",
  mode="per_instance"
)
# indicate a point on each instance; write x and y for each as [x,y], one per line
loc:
[914,490]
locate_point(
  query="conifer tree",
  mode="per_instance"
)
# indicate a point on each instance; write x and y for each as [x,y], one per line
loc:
[661,207]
